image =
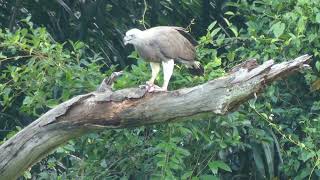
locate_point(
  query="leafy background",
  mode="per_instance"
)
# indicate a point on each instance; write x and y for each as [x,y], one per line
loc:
[53,50]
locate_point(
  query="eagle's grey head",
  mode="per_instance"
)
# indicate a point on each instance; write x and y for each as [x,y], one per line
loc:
[132,36]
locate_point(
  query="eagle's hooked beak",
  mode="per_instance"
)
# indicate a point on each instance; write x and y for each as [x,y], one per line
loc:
[126,40]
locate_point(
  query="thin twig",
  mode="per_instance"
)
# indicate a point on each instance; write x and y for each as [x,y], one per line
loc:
[314,167]
[188,28]
[14,57]
[144,13]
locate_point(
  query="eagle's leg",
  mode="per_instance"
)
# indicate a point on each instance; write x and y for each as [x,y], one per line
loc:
[167,73]
[155,68]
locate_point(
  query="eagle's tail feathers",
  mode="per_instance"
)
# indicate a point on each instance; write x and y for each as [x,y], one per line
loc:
[196,69]
[196,64]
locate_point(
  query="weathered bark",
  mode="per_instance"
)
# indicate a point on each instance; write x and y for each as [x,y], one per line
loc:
[135,107]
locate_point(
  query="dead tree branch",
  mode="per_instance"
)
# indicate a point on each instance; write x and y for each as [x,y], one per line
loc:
[135,107]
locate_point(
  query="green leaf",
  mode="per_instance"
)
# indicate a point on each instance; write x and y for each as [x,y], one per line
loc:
[220,40]
[229,13]
[265,115]
[230,56]
[185,152]
[234,29]
[318,18]
[51,103]
[318,65]
[214,32]
[301,25]
[27,175]
[69,148]
[161,163]
[303,174]
[215,165]
[187,175]
[227,21]
[278,29]
[304,156]
[215,63]
[2,56]
[27,100]
[213,168]
[103,163]
[224,166]
[174,166]
[212,25]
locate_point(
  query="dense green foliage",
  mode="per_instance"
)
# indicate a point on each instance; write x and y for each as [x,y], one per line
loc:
[102,23]
[272,137]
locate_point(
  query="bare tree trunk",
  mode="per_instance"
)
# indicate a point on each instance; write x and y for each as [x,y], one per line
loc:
[135,107]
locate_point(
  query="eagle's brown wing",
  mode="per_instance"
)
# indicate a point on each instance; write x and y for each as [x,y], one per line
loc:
[172,43]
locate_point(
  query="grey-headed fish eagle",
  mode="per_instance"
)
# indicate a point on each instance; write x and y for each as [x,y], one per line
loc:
[164,44]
